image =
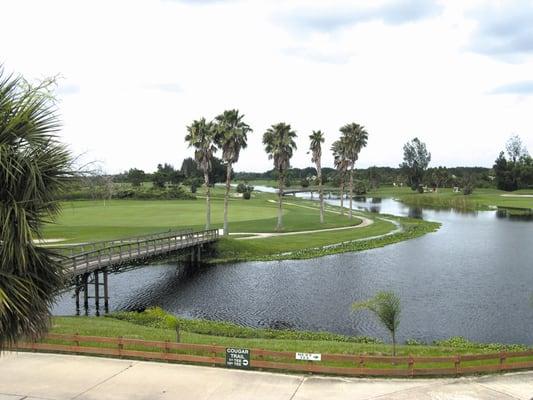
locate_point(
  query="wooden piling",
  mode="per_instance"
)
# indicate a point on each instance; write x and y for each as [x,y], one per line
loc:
[106,292]
[96,294]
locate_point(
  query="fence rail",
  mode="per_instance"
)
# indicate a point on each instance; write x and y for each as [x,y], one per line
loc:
[351,364]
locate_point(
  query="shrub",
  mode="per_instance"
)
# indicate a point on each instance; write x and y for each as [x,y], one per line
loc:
[459,342]
[241,188]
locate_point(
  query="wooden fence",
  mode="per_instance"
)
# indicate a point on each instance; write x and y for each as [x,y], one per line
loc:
[335,364]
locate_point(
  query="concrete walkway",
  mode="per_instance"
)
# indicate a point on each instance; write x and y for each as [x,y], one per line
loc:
[31,376]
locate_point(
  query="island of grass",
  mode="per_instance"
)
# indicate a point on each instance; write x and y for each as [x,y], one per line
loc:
[481,199]
[252,225]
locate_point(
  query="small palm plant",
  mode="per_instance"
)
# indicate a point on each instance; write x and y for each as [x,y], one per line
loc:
[355,138]
[34,168]
[341,165]
[315,146]
[201,136]
[280,145]
[231,137]
[386,306]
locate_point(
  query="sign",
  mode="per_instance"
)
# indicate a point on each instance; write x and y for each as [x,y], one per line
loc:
[309,356]
[237,358]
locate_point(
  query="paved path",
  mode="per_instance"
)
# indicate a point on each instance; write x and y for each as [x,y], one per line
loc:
[31,376]
[261,235]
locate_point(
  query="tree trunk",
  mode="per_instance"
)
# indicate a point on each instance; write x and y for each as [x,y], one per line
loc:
[226,198]
[320,191]
[280,209]
[393,343]
[342,193]
[207,201]
[351,191]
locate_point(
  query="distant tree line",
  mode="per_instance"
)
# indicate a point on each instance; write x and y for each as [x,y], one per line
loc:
[375,177]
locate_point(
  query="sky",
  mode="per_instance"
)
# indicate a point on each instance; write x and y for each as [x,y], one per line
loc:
[458,74]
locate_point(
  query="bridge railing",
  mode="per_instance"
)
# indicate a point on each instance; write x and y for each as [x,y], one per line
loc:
[70,250]
[130,250]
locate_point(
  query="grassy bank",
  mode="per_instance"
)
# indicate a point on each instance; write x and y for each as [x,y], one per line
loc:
[322,244]
[157,325]
[481,199]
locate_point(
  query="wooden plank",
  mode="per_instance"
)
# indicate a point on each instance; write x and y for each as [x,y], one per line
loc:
[435,359]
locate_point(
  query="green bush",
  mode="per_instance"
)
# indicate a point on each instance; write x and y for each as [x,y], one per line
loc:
[241,188]
[459,342]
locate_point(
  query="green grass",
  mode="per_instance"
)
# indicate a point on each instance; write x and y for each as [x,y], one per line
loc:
[481,199]
[227,334]
[268,248]
[82,221]
[85,221]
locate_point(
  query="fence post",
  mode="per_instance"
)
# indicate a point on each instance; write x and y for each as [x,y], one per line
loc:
[167,350]
[411,364]
[503,357]
[457,364]
[120,346]
[361,364]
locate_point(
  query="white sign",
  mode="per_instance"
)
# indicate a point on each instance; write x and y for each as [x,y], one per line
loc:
[309,356]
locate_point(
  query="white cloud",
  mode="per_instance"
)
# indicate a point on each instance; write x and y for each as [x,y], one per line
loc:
[138,71]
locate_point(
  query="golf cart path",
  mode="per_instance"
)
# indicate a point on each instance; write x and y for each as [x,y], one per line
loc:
[261,235]
[32,376]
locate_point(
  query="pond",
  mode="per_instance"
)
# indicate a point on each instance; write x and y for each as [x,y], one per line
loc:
[472,278]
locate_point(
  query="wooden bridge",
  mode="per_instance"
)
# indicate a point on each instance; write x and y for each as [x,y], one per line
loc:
[86,262]
[328,191]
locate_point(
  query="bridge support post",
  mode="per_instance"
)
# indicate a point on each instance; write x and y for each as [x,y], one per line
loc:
[96,294]
[77,294]
[198,254]
[106,292]
[84,279]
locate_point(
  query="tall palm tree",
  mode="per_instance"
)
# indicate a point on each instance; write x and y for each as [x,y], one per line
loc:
[34,167]
[341,165]
[279,145]
[201,136]
[231,137]
[315,146]
[355,137]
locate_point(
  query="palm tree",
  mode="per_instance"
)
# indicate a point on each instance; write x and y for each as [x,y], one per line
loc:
[34,167]
[355,138]
[279,145]
[317,138]
[341,164]
[201,135]
[386,306]
[231,137]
